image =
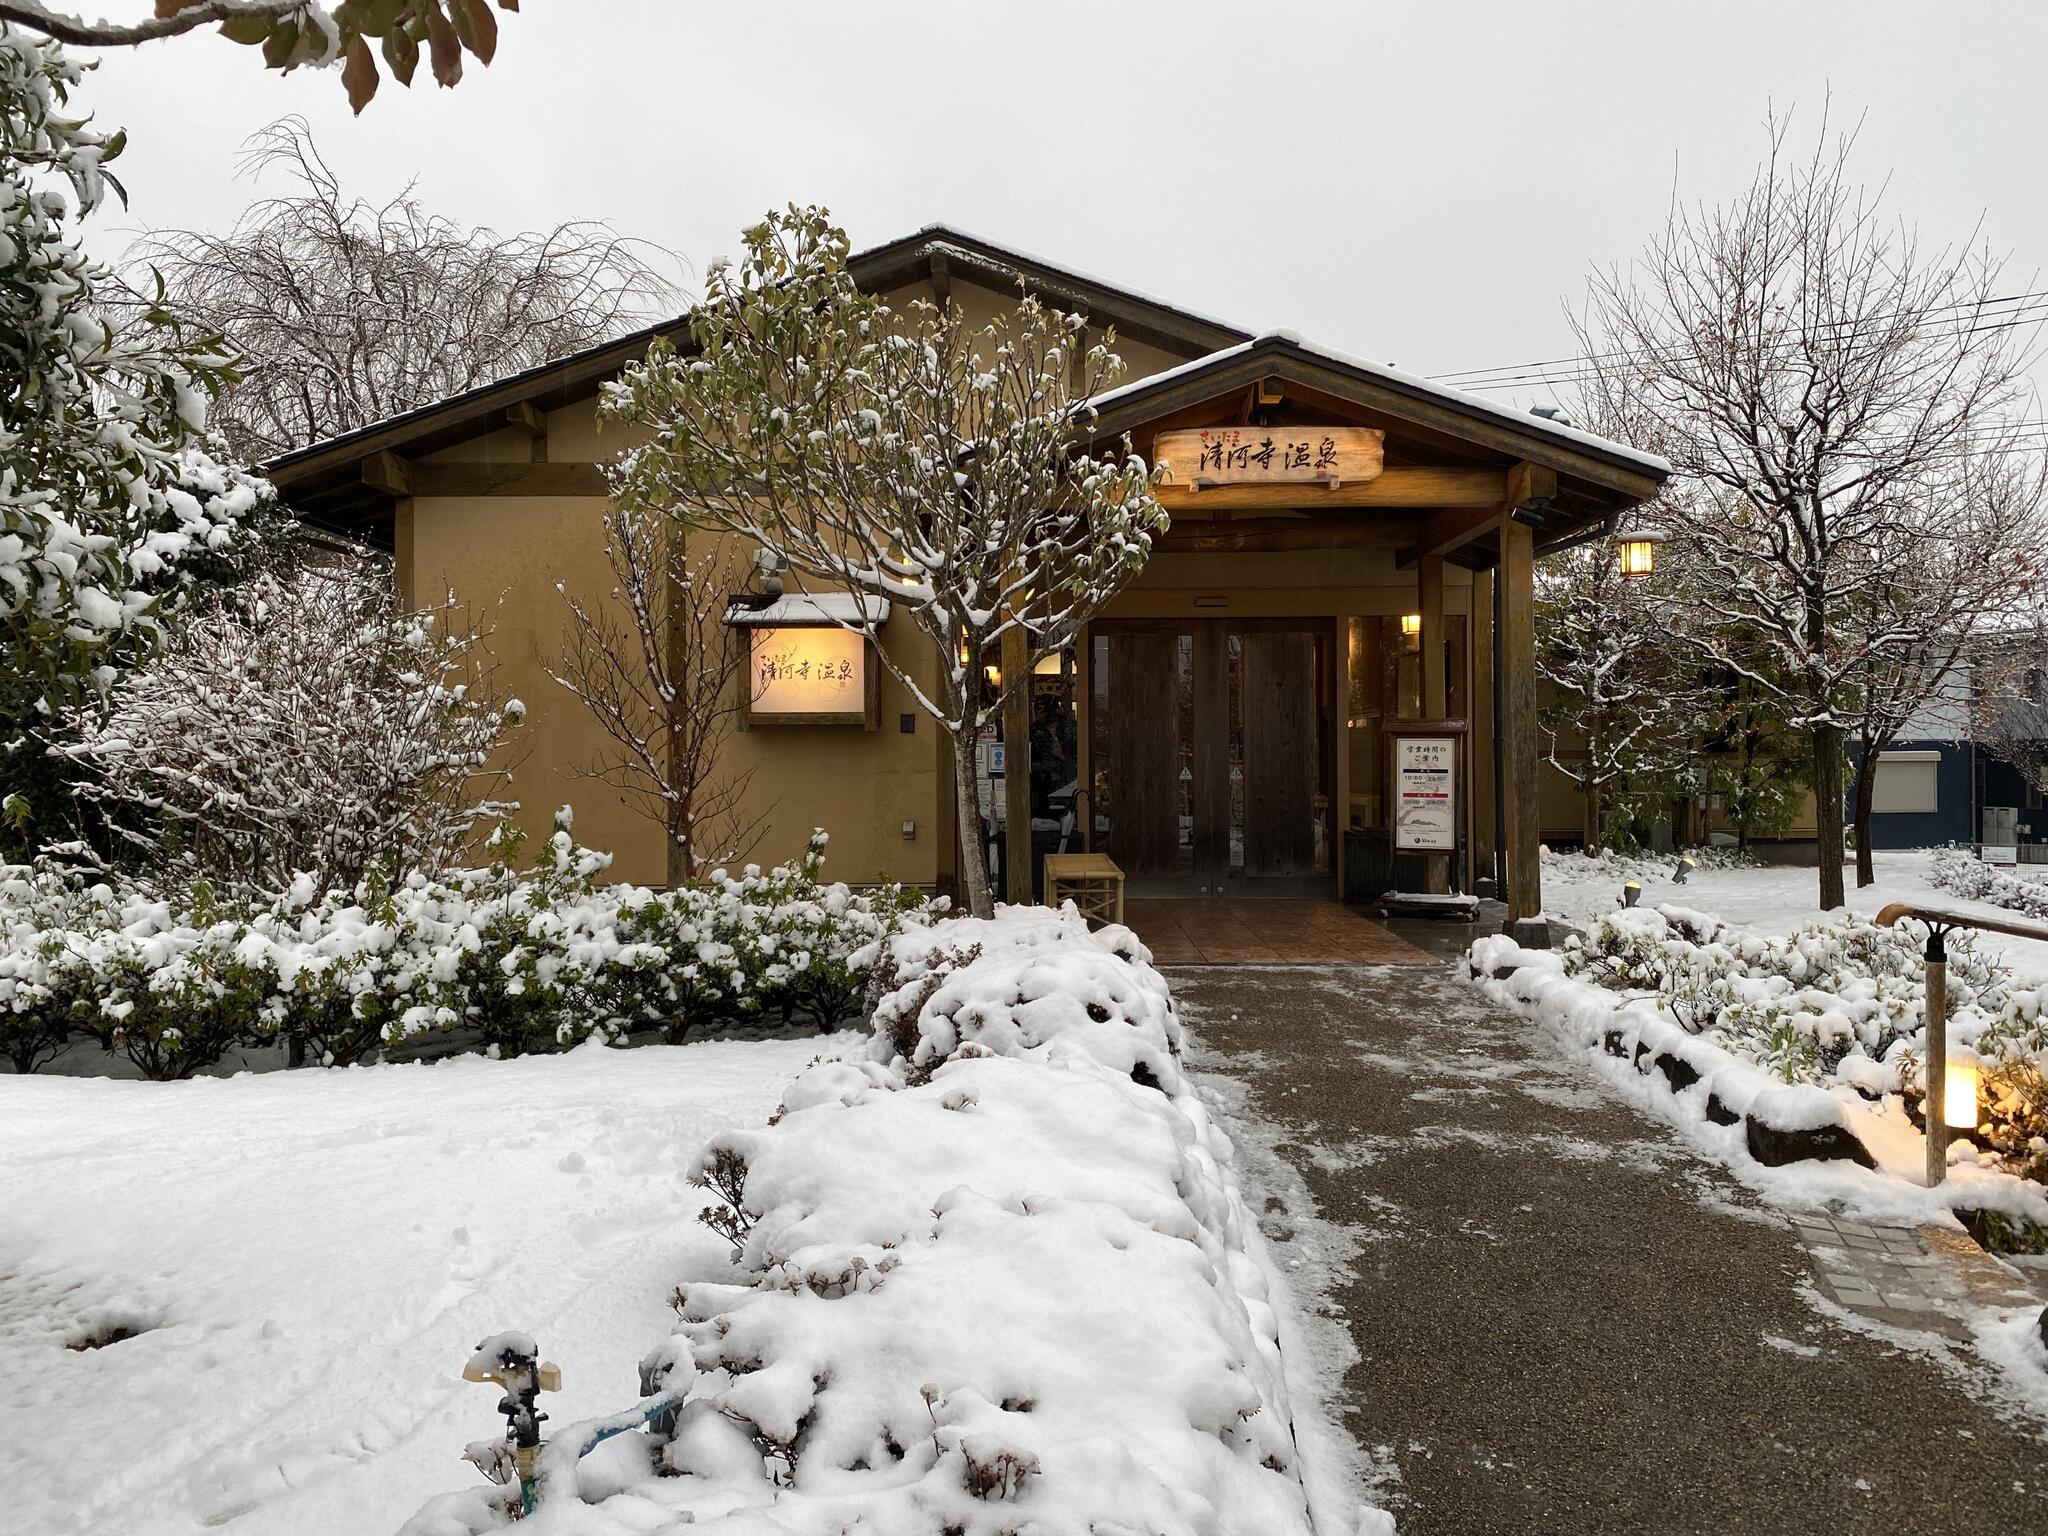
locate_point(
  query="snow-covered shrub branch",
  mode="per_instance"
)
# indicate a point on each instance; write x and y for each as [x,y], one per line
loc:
[526,955]
[993,1274]
[304,724]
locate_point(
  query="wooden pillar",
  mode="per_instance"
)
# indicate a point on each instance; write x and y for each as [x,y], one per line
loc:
[1429,575]
[1521,821]
[1017,765]
[1480,714]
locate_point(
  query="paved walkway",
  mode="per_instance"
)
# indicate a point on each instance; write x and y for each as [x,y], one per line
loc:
[1256,930]
[1564,1321]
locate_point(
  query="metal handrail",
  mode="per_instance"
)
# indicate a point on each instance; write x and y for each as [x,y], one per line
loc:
[1939,921]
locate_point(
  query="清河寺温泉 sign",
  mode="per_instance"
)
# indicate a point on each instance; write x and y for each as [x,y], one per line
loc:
[1425,794]
[808,671]
[1270,455]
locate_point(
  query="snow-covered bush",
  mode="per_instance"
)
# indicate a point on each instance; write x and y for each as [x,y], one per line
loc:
[991,1275]
[1840,1002]
[1961,872]
[303,723]
[524,955]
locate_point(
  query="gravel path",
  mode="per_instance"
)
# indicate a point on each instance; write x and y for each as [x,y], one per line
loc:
[1564,1321]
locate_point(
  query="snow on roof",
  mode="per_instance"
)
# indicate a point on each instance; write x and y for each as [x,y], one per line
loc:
[814,609]
[1395,378]
[941,236]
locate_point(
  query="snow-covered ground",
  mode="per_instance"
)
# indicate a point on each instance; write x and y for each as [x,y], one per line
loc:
[310,1257]
[1771,899]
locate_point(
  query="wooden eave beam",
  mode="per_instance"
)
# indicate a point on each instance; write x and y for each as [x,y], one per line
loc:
[1417,486]
[1449,530]
[388,473]
[525,416]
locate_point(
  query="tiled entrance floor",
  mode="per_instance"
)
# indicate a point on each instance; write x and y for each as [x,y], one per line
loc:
[1254,931]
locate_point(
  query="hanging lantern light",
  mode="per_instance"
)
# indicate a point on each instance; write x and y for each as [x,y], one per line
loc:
[1637,551]
[1960,1085]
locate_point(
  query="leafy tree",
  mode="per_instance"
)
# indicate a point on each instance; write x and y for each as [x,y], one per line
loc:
[910,455]
[113,510]
[343,312]
[296,32]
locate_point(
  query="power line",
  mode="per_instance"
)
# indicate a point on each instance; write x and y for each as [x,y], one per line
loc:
[1574,369]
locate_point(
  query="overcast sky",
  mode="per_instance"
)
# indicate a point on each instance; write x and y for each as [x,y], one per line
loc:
[1422,184]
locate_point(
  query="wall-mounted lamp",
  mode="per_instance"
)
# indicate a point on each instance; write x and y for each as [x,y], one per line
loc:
[1411,624]
[769,564]
[1637,552]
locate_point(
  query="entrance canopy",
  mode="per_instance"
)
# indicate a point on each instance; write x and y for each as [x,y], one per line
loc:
[1454,465]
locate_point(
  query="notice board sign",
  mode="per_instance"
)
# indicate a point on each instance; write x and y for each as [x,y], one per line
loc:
[1424,784]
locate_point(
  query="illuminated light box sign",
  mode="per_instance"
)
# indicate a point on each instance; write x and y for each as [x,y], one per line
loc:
[803,666]
[810,671]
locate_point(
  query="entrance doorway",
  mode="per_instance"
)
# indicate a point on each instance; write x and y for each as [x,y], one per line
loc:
[1210,751]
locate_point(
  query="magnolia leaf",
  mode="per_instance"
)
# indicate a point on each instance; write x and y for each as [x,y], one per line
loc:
[477,27]
[282,43]
[359,74]
[247,30]
[443,47]
[402,54]
[508,5]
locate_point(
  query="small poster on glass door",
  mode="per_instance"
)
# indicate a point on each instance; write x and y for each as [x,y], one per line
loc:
[1425,794]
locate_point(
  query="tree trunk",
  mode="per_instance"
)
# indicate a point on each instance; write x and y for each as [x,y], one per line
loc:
[1827,811]
[973,849]
[677,662]
[1866,785]
[1592,814]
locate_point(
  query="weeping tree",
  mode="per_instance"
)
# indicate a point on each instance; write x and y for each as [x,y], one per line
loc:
[946,466]
[1813,371]
[344,312]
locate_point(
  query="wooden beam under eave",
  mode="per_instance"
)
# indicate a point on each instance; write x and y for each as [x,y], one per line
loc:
[1452,529]
[1268,534]
[388,473]
[445,479]
[1403,486]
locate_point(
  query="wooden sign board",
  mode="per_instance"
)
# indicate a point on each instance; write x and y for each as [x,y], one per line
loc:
[1270,455]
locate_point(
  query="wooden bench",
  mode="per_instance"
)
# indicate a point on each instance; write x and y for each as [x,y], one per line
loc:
[1091,881]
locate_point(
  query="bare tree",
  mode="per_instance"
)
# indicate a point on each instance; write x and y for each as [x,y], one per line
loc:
[660,675]
[1812,368]
[910,456]
[296,32]
[1970,578]
[305,724]
[344,312]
